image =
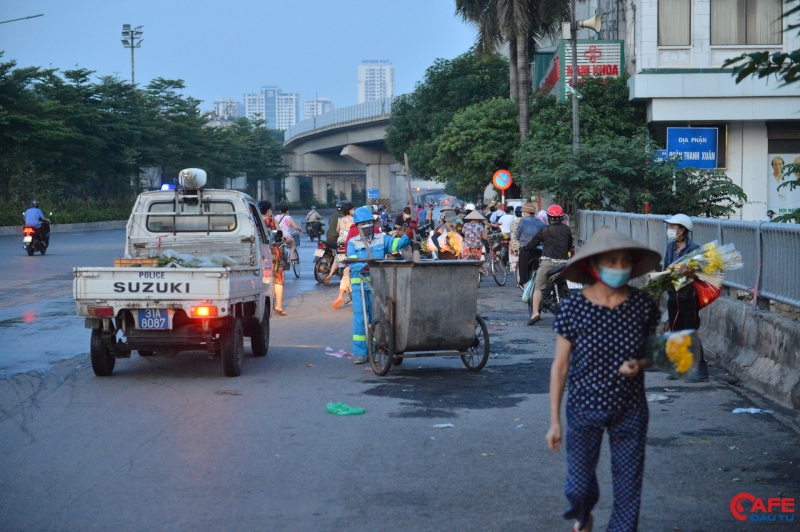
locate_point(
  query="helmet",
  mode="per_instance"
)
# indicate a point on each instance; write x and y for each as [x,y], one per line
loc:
[34,203]
[313,207]
[469,207]
[339,205]
[770,213]
[374,209]
[362,214]
[680,219]
[555,213]
[518,210]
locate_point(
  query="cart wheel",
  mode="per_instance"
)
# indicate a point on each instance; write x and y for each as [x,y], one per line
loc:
[478,353]
[499,271]
[380,348]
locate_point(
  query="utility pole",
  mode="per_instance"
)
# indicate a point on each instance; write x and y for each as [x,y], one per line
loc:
[576,128]
[132,38]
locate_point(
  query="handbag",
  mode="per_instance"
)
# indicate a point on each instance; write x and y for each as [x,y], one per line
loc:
[528,292]
[706,293]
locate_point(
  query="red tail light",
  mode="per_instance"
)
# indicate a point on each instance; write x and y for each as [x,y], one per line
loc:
[28,230]
[102,312]
[320,245]
[203,312]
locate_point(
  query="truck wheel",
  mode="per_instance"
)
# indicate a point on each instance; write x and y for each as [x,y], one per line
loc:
[259,341]
[102,361]
[231,341]
[145,352]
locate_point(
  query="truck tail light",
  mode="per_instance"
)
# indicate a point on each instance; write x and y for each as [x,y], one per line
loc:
[205,311]
[102,312]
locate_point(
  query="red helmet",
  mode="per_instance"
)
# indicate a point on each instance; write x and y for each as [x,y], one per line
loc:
[555,213]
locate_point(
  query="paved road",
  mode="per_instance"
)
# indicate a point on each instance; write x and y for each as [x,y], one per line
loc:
[171,444]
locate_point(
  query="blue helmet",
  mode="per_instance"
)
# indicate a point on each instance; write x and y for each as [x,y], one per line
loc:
[362,214]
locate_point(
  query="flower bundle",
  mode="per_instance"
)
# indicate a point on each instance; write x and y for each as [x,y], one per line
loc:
[675,352]
[708,263]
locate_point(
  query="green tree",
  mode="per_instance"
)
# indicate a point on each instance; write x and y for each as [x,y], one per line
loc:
[449,86]
[478,141]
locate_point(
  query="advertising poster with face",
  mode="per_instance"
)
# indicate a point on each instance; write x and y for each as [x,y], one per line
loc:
[784,200]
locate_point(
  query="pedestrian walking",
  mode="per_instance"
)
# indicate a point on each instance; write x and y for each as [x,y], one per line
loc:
[265,207]
[682,307]
[599,356]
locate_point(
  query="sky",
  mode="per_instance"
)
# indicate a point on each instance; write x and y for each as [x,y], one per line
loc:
[223,49]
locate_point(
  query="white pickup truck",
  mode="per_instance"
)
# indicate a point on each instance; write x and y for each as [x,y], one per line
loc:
[166,310]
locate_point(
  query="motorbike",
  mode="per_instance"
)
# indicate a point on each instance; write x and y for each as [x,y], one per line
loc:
[34,240]
[314,230]
[324,257]
[558,289]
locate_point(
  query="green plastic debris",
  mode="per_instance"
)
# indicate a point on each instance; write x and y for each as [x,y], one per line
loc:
[341,409]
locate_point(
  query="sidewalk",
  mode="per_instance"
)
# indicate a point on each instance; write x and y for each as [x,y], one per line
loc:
[699,454]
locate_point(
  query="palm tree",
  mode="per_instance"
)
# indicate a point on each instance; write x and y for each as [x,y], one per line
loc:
[520,23]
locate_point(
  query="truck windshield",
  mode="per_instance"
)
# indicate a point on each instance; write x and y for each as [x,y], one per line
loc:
[190,218]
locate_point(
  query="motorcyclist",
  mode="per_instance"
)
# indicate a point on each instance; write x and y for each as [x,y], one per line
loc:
[332,236]
[383,216]
[313,215]
[34,218]
[379,246]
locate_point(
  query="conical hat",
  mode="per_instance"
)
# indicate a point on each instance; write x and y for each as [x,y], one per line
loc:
[602,241]
[474,215]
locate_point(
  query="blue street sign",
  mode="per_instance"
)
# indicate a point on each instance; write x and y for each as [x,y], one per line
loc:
[696,146]
[373,193]
[661,155]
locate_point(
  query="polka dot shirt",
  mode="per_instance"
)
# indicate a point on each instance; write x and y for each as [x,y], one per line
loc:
[602,339]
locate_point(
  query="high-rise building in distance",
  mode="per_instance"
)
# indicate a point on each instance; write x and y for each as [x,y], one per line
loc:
[225,109]
[316,107]
[280,110]
[375,80]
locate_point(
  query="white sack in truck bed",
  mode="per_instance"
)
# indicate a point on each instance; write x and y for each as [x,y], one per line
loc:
[173,259]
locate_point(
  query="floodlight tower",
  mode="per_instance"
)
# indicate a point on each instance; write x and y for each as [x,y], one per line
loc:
[132,38]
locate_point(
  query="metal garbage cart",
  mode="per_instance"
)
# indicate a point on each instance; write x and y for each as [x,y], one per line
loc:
[423,309]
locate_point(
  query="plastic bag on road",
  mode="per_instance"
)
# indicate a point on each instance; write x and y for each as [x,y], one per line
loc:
[341,409]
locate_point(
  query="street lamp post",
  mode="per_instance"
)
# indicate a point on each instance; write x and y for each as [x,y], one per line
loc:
[132,38]
[576,128]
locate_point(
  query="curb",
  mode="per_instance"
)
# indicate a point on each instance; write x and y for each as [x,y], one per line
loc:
[66,228]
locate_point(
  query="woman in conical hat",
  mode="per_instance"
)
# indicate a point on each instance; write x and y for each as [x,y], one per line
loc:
[599,357]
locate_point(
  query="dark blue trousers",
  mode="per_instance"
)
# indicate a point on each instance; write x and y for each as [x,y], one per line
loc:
[627,434]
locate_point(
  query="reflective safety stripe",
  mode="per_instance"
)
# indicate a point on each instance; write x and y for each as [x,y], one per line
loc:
[357,280]
[395,244]
[353,257]
[360,337]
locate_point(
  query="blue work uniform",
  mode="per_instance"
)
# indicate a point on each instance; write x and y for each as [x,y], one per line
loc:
[380,246]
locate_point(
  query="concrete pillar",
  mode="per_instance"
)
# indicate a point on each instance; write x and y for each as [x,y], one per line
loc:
[320,191]
[292,184]
[380,176]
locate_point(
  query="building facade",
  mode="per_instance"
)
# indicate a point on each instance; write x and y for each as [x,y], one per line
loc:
[375,80]
[316,107]
[674,52]
[280,110]
[226,109]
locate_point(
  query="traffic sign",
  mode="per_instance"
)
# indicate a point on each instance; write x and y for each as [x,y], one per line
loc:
[502,179]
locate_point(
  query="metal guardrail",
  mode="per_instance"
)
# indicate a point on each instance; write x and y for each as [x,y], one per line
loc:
[343,116]
[770,251]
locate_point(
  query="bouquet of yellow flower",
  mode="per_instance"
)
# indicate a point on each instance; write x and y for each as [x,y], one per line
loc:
[708,263]
[675,352]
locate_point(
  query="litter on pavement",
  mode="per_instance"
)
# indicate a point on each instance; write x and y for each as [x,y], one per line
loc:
[341,353]
[751,411]
[656,397]
[341,409]
[444,426]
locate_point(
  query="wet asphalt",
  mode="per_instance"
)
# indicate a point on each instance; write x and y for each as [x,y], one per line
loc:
[172,444]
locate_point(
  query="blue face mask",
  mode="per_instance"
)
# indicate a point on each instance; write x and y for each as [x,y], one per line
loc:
[614,277]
